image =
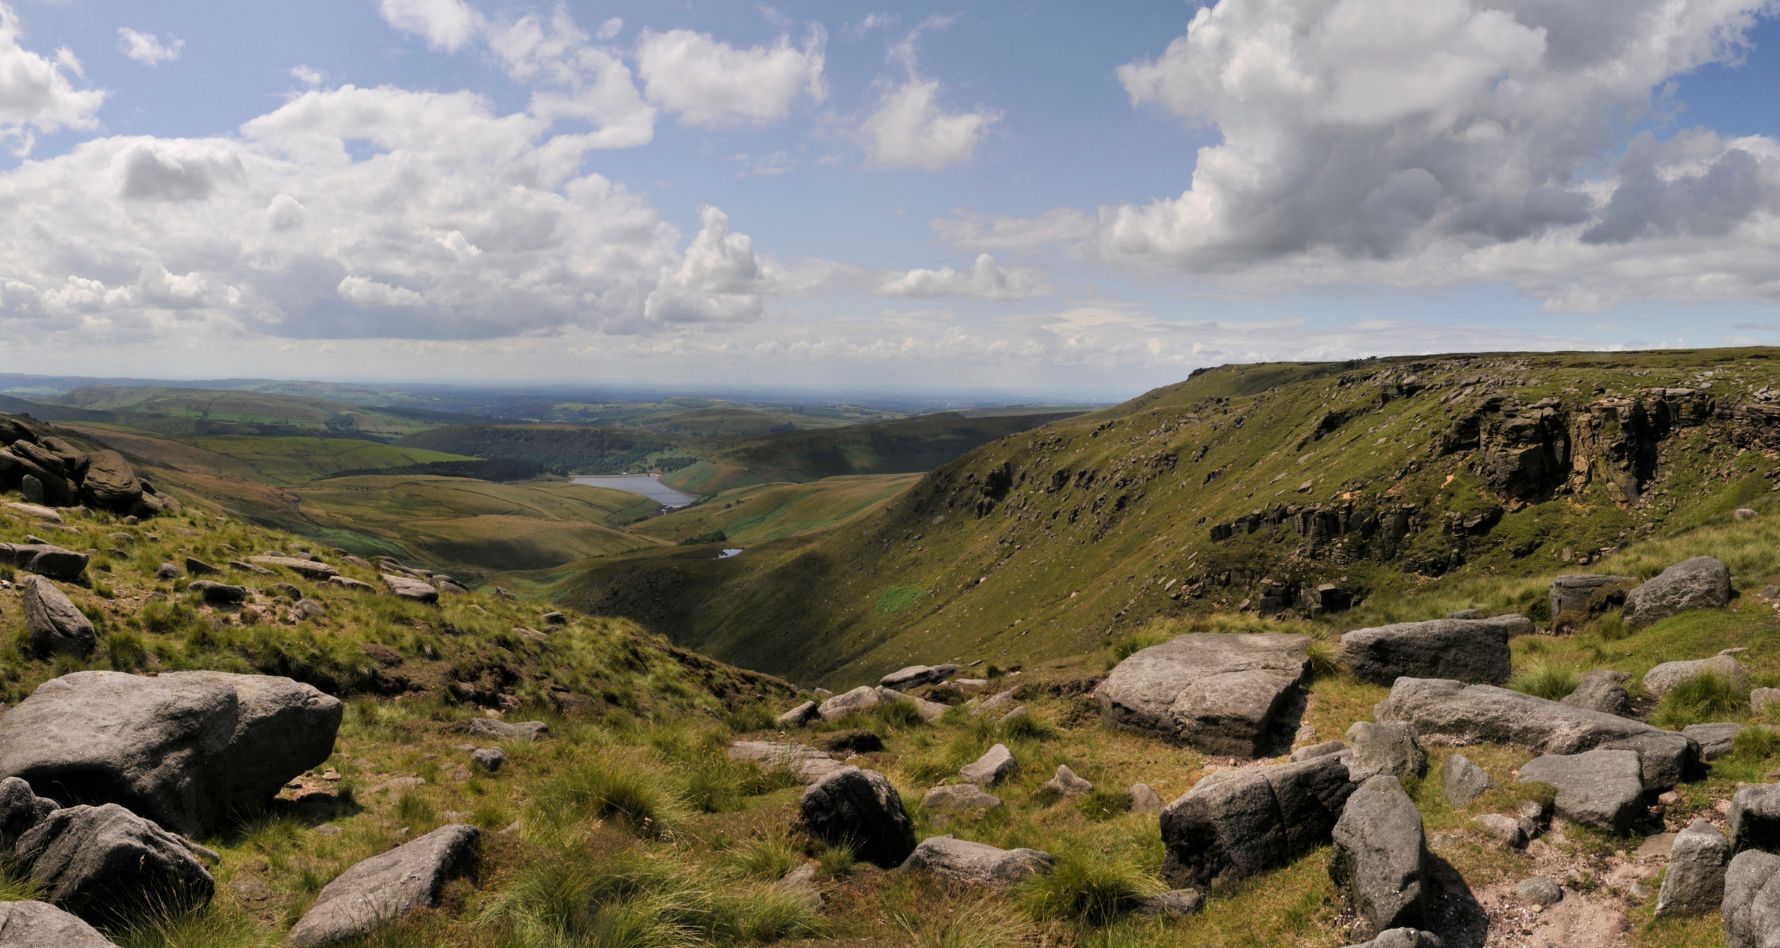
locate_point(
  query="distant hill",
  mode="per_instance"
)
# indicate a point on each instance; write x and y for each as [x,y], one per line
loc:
[564,449]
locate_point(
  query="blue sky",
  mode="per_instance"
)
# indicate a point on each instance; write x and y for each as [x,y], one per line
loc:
[1037,199]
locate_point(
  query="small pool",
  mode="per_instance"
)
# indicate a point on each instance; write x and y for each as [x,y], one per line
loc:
[647,485]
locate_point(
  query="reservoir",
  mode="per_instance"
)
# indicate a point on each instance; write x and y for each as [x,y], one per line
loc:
[646,484]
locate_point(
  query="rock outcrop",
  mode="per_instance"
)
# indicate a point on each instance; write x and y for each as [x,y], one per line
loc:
[189,750]
[1238,823]
[45,559]
[1587,595]
[52,471]
[1220,693]
[806,763]
[1469,650]
[388,886]
[915,675]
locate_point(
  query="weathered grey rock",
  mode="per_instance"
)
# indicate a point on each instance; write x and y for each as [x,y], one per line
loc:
[1238,823]
[862,698]
[104,863]
[1761,699]
[1694,882]
[110,482]
[1503,830]
[36,512]
[198,567]
[1386,747]
[1472,650]
[310,608]
[53,624]
[1584,594]
[1144,799]
[930,711]
[555,618]
[1318,750]
[404,587]
[915,675]
[1752,901]
[1000,703]
[219,594]
[798,716]
[490,759]
[348,583]
[507,730]
[42,925]
[1659,680]
[388,886]
[31,488]
[1404,938]
[312,569]
[45,559]
[167,571]
[1534,817]
[1755,818]
[1066,783]
[1539,891]
[996,765]
[956,796]
[1220,693]
[189,750]
[1380,857]
[20,809]
[1599,788]
[1602,690]
[1715,740]
[1454,711]
[806,763]
[1463,780]
[977,863]
[1175,903]
[861,810]
[1700,583]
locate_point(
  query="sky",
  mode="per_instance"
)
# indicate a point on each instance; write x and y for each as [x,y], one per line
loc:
[1046,200]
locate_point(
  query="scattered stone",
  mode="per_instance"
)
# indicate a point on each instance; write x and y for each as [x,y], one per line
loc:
[1586,594]
[798,716]
[36,512]
[219,594]
[915,675]
[45,559]
[1175,903]
[1754,817]
[1761,699]
[350,584]
[106,864]
[490,759]
[930,711]
[310,609]
[1238,823]
[997,702]
[507,730]
[966,796]
[198,567]
[1602,690]
[186,749]
[1504,830]
[806,763]
[1715,740]
[1694,883]
[20,810]
[1752,900]
[250,888]
[1599,788]
[1387,747]
[1463,780]
[1700,583]
[855,741]
[411,589]
[42,925]
[53,624]
[388,886]
[310,569]
[1144,799]
[1660,679]
[1220,693]
[1539,891]
[555,618]
[977,863]
[1470,650]
[996,765]
[862,698]
[1745,513]
[1314,751]
[861,810]
[1066,783]
[1380,856]
[1404,938]
[1454,711]
[167,571]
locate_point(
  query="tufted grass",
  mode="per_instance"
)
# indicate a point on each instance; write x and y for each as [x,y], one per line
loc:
[1698,700]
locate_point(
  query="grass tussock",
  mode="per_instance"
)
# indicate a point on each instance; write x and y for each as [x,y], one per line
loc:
[1545,680]
[1087,890]
[1699,700]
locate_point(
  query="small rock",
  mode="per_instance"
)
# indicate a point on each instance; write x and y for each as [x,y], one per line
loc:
[1066,783]
[798,716]
[53,624]
[506,730]
[1602,690]
[388,886]
[991,768]
[1175,903]
[1384,748]
[1144,799]
[1715,740]
[1539,891]
[42,925]
[977,863]
[966,796]
[1314,751]
[1504,830]
[859,809]
[219,594]
[1694,883]
[490,759]
[1463,780]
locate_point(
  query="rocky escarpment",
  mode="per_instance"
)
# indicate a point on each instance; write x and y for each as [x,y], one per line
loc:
[51,471]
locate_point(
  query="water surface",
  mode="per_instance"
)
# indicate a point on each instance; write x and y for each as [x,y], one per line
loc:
[648,485]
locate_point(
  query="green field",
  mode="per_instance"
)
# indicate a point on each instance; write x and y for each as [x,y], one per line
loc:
[189,412]
[751,515]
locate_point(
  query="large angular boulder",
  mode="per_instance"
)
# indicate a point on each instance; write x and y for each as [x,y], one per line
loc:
[42,925]
[1694,882]
[53,625]
[110,482]
[798,716]
[861,810]
[1752,901]
[1380,856]
[1460,713]
[1585,594]
[1755,817]
[1473,650]
[187,749]
[917,675]
[971,863]
[1220,693]
[806,763]
[1660,680]
[1602,690]
[1238,823]
[1599,788]
[388,886]
[1385,747]
[46,559]
[106,864]
[1700,583]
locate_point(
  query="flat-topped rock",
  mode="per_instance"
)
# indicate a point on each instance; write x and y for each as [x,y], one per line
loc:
[416,590]
[312,569]
[959,796]
[1456,712]
[996,765]
[218,594]
[862,698]
[1586,594]
[1380,856]
[1700,583]
[1599,788]
[1239,823]
[189,750]
[1236,694]
[978,864]
[915,675]
[1470,650]
[42,925]
[1660,680]
[507,730]
[388,886]
[806,763]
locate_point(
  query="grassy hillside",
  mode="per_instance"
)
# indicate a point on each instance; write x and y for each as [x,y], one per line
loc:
[710,418]
[184,412]
[1247,488]
[564,449]
[752,515]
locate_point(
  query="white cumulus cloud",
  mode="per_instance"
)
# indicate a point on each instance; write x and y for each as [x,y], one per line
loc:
[985,279]
[147,48]
[705,81]
[444,24]
[718,280]
[37,94]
